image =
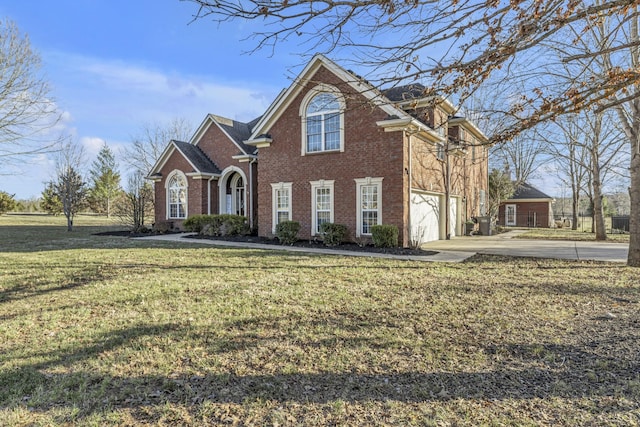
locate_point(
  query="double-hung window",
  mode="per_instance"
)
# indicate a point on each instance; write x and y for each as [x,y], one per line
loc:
[177,196]
[322,112]
[321,204]
[281,200]
[323,123]
[369,204]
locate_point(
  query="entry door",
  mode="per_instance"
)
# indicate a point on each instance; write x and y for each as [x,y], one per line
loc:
[510,215]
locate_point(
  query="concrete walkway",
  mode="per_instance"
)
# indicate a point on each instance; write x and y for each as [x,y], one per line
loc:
[441,256]
[457,249]
[509,244]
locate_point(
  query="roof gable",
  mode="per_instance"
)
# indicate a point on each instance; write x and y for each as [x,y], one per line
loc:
[526,191]
[192,154]
[287,96]
[236,131]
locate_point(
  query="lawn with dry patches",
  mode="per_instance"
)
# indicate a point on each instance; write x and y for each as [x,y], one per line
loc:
[110,330]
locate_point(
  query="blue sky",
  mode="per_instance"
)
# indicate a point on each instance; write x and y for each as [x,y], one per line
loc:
[116,65]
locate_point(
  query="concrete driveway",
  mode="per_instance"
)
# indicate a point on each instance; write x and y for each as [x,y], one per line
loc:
[509,244]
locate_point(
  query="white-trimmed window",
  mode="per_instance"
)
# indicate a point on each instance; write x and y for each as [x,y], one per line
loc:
[369,204]
[440,151]
[281,202]
[176,195]
[321,204]
[322,112]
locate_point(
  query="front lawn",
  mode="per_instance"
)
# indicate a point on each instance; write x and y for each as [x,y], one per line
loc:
[113,331]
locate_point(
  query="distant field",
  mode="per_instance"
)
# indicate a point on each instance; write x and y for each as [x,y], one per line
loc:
[116,331]
[568,234]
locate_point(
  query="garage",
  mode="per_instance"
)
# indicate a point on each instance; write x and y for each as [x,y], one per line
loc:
[425,217]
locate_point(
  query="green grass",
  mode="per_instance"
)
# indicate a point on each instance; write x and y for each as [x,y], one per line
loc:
[114,331]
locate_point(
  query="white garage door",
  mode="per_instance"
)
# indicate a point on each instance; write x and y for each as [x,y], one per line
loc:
[453,215]
[425,217]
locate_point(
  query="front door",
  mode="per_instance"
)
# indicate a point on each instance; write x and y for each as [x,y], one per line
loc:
[510,215]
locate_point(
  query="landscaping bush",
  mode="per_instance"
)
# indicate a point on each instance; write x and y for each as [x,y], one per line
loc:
[384,236]
[334,234]
[287,232]
[162,227]
[194,223]
[217,225]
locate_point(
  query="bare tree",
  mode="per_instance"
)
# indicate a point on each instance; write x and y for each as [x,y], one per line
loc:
[26,108]
[147,147]
[570,159]
[459,45]
[69,185]
[137,202]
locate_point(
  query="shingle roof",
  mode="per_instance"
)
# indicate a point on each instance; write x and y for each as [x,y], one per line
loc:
[240,132]
[526,191]
[404,93]
[197,157]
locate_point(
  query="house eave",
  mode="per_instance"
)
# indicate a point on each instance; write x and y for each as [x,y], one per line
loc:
[412,126]
[259,142]
[202,175]
[245,158]
[550,199]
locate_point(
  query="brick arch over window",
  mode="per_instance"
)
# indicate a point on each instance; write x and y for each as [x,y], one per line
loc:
[322,114]
[177,187]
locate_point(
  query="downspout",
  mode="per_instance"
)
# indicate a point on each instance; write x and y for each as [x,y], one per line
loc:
[409,173]
[209,195]
[251,186]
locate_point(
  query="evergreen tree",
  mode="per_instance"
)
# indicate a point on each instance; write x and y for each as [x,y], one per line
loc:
[50,201]
[500,188]
[105,180]
[7,202]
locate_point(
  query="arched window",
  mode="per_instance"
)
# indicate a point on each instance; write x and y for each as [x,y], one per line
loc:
[322,121]
[177,196]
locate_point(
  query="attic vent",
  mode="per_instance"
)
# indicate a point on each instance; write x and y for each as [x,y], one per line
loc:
[222,120]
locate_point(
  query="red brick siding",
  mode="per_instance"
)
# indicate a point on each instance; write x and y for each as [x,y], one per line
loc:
[368,152]
[220,150]
[528,214]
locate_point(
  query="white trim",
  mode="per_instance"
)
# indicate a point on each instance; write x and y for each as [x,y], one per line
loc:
[168,198]
[506,215]
[222,188]
[315,185]
[286,97]
[206,124]
[304,105]
[360,182]
[274,202]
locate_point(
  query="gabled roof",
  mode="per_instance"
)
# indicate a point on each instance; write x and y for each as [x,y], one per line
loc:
[236,131]
[198,160]
[288,95]
[526,192]
[194,155]
[405,93]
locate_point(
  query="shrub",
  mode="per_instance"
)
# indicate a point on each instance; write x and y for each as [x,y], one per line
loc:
[162,227]
[194,223]
[217,225]
[384,236]
[287,232]
[231,225]
[334,234]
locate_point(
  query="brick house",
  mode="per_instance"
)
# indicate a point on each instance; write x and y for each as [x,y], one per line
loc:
[528,207]
[332,148]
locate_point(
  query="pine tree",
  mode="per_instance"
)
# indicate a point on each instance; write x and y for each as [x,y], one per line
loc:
[105,180]
[50,201]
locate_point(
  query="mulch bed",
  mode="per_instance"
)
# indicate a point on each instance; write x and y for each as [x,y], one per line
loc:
[311,244]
